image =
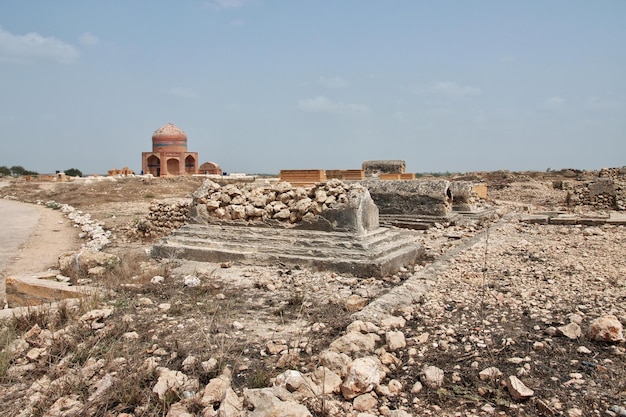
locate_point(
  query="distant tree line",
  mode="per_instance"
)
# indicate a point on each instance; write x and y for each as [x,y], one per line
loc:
[16,171]
[19,171]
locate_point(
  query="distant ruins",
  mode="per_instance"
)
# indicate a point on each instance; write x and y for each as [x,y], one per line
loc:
[169,156]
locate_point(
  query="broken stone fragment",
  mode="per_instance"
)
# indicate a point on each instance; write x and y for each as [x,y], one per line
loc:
[517,389]
[571,331]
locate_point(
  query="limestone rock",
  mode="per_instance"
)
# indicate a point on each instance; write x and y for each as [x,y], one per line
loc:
[364,402]
[364,375]
[263,402]
[328,381]
[231,405]
[432,377]
[336,362]
[356,303]
[169,380]
[216,389]
[606,329]
[490,373]
[395,340]
[355,342]
[571,331]
[295,382]
[517,389]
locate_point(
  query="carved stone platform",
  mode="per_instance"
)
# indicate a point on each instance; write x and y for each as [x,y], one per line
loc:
[376,253]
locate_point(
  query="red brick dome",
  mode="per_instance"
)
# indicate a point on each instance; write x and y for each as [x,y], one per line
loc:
[169,138]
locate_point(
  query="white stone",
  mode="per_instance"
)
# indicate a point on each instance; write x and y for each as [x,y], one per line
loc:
[432,376]
[364,375]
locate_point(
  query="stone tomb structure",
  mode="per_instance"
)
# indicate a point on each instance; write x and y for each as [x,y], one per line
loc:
[169,156]
[376,168]
[330,226]
[210,168]
[418,204]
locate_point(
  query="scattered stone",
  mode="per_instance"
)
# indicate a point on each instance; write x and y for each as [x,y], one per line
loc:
[191,281]
[490,373]
[364,402]
[571,331]
[432,377]
[518,390]
[395,340]
[363,376]
[606,329]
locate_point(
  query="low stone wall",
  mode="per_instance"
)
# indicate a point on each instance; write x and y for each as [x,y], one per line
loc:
[603,193]
[331,205]
[164,218]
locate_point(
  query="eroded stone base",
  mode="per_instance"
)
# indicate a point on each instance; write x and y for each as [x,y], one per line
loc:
[374,254]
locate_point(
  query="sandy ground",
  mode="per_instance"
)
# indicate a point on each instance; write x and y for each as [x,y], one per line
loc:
[32,239]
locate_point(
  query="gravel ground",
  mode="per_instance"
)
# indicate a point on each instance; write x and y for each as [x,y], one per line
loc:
[514,296]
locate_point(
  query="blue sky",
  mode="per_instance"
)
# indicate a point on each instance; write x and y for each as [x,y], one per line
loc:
[265,85]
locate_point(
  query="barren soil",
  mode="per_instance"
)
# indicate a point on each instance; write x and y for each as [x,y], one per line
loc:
[495,294]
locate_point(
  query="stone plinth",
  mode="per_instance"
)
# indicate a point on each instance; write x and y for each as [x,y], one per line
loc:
[374,254]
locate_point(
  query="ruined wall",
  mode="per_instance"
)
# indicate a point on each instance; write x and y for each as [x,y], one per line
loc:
[602,193]
[330,205]
[163,218]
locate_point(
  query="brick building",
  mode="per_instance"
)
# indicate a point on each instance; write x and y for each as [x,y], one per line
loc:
[169,154]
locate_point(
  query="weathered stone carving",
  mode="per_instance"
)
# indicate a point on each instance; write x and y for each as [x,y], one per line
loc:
[432,198]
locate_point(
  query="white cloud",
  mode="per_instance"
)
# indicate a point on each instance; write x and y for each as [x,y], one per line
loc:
[554,103]
[88,39]
[34,46]
[452,89]
[322,104]
[333,82]
[181,92]
[224,4]
[599,103]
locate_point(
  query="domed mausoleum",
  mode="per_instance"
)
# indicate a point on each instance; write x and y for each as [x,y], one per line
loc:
[169,154]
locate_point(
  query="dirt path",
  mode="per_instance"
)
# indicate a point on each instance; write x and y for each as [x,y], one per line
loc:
[32,239]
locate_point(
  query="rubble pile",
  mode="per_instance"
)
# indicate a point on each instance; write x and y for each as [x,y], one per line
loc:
[281,203]
[614,173]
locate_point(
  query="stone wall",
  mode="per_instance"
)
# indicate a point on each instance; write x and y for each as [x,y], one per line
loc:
[163,218]
[602,193]
[331,205]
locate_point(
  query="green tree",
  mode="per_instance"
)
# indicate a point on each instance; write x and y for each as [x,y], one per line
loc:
[73,172]
[4,171]
[18,170]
